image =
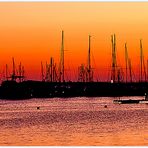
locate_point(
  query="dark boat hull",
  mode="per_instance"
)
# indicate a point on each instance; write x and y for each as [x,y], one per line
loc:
[130,101]
[126,101]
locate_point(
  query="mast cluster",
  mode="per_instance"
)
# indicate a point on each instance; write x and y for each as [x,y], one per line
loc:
[17,74]
[85,73]
[116,75]
[52,72]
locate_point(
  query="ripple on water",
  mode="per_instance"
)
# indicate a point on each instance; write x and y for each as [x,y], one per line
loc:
[75,121]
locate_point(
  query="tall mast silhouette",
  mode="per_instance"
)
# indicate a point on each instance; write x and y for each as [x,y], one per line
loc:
[89,62]
[126,60]
[61,66]
[142,64]
[114,62]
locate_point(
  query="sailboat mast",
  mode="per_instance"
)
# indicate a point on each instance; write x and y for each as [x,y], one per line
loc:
[6,72]
[89,64]
[114,64]
[140,60]
[130,69]
[61,65]
[13,71]
[147,70]
[42,73]
[126,60]
[51,70]
[62,50]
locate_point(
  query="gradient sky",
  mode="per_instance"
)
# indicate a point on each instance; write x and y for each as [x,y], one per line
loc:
[31,32]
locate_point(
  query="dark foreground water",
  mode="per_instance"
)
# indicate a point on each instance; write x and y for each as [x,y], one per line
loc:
[73,121]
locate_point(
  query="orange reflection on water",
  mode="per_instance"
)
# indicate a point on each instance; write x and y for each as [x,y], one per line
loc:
[73,121]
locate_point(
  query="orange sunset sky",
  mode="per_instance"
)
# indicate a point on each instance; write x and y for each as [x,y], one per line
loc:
[31,32]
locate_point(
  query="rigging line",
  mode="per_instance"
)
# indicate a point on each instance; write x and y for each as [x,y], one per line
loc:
[109,69]
[74,71]
[75,74]
[95,67]
[134,78]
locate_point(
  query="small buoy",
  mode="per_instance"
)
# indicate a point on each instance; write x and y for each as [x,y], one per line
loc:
[38,107]
[105,106]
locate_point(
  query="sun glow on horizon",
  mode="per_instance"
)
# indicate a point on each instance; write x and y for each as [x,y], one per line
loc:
[31,32]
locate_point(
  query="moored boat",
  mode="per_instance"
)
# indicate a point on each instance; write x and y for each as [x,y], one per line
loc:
[130,101]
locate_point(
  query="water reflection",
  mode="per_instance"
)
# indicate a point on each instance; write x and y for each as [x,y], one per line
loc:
[74,121]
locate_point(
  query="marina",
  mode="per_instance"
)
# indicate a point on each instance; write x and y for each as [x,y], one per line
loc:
[53,83]
[73,73]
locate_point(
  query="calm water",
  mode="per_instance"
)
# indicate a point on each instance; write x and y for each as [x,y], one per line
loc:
[73,121]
